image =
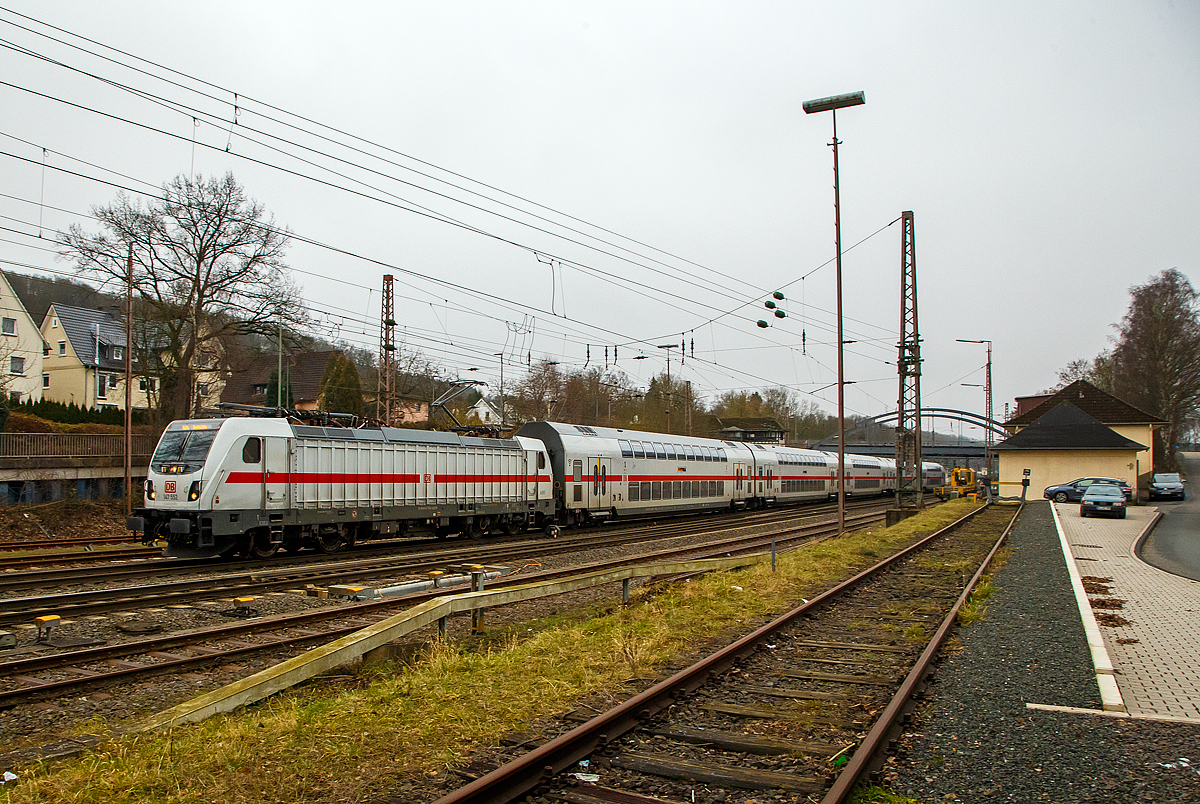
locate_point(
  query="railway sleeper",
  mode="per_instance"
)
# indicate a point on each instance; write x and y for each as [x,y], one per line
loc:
[724,775]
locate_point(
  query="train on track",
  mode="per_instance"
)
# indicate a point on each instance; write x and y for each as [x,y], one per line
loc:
[252,486]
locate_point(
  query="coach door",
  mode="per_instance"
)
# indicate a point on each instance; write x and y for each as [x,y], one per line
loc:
[739,481]
[275,472]
[599,491]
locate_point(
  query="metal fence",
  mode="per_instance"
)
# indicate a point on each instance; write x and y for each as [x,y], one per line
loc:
[71,445]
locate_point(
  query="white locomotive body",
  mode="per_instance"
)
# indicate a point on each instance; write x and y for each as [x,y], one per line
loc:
[252,485]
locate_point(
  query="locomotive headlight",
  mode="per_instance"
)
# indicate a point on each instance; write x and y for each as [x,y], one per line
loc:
[194,491]
[149,489]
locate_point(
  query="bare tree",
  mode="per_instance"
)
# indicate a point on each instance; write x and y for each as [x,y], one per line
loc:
[207,262]
[1098,371]
[1156,362]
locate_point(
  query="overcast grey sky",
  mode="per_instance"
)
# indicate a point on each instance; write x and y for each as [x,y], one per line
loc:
[1048,151]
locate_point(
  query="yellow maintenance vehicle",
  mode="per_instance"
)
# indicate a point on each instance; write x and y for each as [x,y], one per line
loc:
[959,483]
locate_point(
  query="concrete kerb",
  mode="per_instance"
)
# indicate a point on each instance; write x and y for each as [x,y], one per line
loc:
[1110,694]
[352,646]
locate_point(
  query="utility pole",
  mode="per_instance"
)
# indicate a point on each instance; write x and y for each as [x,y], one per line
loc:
[279,370]
[129,381]
[668,347]
[687,398]
[501,356]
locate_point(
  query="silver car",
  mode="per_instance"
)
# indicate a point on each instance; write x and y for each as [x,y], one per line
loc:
[1168,486]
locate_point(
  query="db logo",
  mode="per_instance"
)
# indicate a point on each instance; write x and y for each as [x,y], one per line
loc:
[169,487]
[428,478]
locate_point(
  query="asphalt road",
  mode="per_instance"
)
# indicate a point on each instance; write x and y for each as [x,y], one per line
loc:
[1174,545]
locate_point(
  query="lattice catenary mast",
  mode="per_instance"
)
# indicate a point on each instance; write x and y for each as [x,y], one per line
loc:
[908,366]
[385,394]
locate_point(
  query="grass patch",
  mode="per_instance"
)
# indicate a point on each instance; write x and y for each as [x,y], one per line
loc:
[411,722]
[870,794]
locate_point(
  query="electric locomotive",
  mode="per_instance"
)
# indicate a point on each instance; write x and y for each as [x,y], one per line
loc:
[253,485]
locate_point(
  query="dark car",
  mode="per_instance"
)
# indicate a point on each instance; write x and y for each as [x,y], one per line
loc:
[1103,499]
[1166,486]
[1073,491]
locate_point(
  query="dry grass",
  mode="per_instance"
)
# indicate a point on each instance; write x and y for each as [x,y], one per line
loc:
[414,721]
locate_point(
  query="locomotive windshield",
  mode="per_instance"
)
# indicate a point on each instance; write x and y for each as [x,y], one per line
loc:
[183,451]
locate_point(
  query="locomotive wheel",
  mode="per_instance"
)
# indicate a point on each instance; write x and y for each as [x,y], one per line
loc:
[483,525]
[261,546]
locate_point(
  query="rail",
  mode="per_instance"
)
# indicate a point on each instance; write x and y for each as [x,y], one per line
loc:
[72,445]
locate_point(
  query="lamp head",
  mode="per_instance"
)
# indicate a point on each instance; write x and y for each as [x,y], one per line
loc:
[834,102]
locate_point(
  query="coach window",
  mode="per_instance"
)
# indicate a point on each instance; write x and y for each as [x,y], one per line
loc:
[541,460]
[638,452]
[660,451]
[670,452]
[626,449]
[578,468]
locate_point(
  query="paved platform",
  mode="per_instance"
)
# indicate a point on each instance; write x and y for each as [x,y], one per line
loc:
[1150,642]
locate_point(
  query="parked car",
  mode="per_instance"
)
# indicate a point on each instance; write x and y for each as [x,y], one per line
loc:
[1073,491]
[1166,486]
[1103,499]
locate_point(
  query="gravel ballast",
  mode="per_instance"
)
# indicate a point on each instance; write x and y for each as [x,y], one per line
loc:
[975,740]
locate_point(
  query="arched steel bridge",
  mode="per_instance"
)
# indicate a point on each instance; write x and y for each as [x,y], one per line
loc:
[928,450]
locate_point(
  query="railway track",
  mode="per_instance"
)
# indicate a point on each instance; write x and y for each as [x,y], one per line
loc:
[802,705]
[222,578]
[49,544]
[36,677]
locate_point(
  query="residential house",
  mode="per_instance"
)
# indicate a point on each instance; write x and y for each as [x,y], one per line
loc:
[21,358]
[304,370]
[84,359]
[484,412]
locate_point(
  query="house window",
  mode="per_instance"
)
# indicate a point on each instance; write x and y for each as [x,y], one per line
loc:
[147,384]
[202,388]
[45,380]
[45,349]
[54,322]
[8,326]
[62,348]
[113,380]
[260,389]
[16,365]
[118,353]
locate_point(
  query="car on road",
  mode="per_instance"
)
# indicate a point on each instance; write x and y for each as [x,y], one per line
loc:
[1073,491]
[1166,486]
[1103,499]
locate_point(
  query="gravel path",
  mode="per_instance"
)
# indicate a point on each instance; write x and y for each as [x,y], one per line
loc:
[975,741]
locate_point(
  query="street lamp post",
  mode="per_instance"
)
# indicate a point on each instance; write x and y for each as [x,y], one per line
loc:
[832,104]
[987,430]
